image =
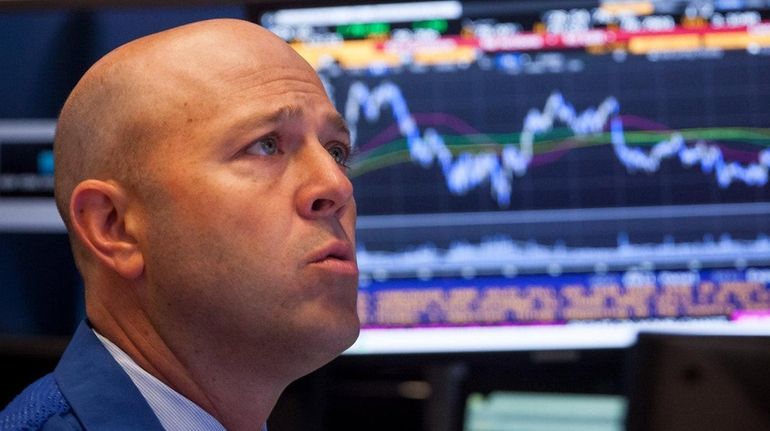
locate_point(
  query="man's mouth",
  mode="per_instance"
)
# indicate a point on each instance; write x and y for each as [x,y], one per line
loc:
[336,256]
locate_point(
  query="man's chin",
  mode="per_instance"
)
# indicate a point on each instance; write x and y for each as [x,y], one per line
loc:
[335,337]
[347,333]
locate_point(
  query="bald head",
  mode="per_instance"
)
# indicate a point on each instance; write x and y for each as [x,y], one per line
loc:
[201,174]
[143,95]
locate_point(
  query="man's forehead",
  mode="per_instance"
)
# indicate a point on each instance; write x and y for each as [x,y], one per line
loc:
[251,90]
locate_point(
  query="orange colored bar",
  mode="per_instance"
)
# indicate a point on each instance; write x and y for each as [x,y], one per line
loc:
[637,8]
[645,44]
[732,40]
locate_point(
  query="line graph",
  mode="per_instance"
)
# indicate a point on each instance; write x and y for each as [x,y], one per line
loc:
[554,240]
[500,163]
[710,158]
[501,255]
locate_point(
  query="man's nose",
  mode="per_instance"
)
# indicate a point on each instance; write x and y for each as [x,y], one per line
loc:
[326,189]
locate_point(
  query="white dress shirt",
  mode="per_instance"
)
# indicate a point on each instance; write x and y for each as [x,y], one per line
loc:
[174,411]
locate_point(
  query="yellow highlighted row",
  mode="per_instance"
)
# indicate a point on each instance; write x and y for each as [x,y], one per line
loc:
[688,42]
[638,8]
[361,54]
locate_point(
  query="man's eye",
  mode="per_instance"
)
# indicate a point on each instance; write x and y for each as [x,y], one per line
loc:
[339,153]
[264,147]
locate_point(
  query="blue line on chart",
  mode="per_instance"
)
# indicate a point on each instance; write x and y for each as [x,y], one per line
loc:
[467,171]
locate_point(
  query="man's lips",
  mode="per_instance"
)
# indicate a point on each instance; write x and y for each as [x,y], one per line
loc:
[337,256]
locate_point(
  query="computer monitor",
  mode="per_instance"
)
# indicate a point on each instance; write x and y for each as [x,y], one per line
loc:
[549,175]
[683,382]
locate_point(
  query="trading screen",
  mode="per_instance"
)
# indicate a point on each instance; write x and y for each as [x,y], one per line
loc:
[530,174]
[519,166]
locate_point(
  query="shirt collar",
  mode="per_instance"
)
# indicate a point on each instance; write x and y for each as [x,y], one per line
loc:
[174,411]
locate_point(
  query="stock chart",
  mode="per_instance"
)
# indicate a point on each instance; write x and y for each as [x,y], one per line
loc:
[556,165]
[518,162]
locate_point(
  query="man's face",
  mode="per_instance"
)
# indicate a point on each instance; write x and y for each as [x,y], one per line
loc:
[250,218]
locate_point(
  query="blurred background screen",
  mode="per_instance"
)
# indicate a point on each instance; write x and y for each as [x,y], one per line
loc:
[540,175]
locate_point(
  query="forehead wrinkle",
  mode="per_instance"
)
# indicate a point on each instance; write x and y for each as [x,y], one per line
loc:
[291,89]
[293,111]
[271,118]
[286,113]
[251,76]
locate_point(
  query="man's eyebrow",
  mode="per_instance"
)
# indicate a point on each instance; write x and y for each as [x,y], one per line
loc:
[293,111]
[284,113]
[339,123]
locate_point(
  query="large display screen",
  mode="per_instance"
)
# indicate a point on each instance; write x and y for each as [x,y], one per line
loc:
[537,175]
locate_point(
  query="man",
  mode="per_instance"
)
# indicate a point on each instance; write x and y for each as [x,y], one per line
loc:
[201,175]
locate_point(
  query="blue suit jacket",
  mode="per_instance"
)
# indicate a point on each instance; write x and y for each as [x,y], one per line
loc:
[88,390]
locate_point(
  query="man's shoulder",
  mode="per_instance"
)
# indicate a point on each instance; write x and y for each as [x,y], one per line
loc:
[41,406]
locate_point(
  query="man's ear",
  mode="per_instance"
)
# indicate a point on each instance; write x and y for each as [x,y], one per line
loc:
[98,216]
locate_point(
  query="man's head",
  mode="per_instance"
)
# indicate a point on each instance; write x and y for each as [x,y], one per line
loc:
[201,174]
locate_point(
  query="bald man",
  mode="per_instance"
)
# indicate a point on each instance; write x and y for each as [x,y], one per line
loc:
[201,175]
